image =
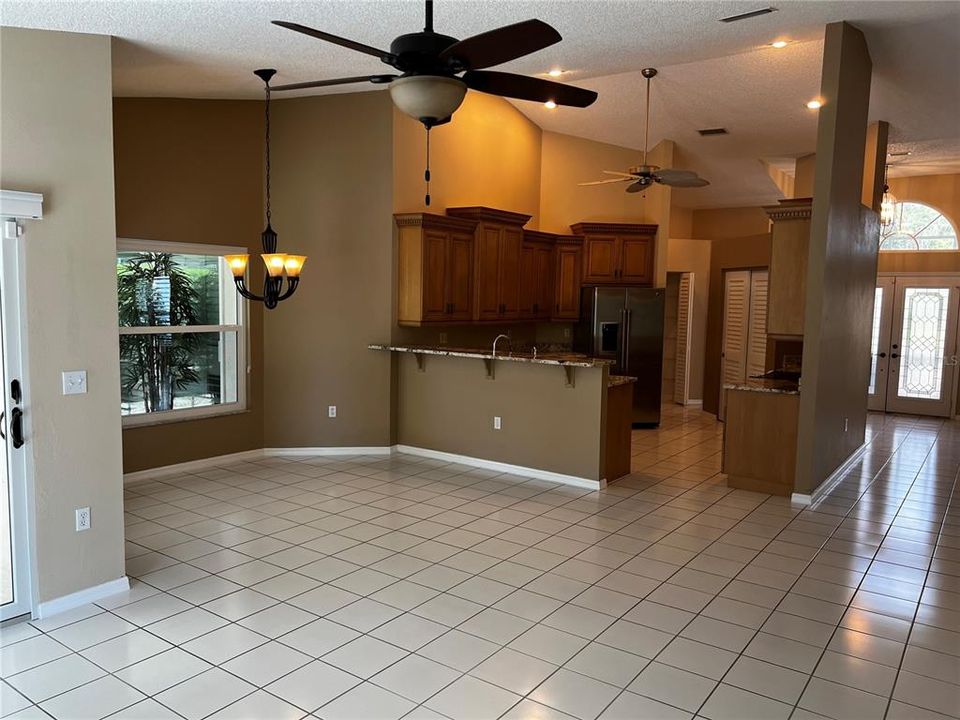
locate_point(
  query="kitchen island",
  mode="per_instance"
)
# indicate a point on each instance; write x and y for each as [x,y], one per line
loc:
[760,435]
[553,416]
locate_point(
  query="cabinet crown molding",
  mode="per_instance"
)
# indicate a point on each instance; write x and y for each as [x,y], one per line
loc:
[481,214]
[604,228]
[791,209]
[541,236]
[430,220]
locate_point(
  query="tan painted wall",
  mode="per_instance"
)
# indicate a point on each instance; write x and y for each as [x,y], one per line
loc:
[450,407]
[694,256]
[725,223]
[488,155]
[192,171]
[332,201]
[803,180]
[57,140]
[733,254]
[841,270]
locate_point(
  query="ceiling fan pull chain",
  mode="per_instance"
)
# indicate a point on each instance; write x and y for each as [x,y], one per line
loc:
[426,173]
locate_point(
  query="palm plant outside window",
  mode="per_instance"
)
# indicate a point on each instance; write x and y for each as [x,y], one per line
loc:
[182,340]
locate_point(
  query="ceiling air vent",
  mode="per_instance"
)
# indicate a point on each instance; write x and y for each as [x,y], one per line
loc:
[713,131]
[748,15]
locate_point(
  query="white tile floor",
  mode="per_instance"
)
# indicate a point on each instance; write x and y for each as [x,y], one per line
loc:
[371,588]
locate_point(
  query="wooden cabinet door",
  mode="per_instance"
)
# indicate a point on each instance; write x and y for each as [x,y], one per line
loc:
[600,259]
[567,285]
[434,275]
[488,274]
[789,245]
[528,280]
[636,259]
[543,271]
[511,240]
[460,276]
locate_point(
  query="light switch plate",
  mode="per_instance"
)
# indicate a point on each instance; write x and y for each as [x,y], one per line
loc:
[74,382]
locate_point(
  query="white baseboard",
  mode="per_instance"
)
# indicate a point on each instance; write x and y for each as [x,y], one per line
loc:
[314,451]
[832,479]
[221,460]
[190,466]
[81,597]
[694,402]
[502,467]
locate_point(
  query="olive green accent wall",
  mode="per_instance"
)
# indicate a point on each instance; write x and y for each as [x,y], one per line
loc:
[191,171]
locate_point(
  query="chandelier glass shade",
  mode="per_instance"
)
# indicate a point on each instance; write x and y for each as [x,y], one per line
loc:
[888,208]
[278,266]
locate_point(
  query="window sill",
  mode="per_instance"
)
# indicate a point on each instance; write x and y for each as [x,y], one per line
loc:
[171,417]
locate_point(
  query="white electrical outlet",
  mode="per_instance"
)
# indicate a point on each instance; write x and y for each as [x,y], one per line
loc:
[846,424]
[83,518]
[443,338]
[74,382]
[496,422]
[566,332]
[332,411]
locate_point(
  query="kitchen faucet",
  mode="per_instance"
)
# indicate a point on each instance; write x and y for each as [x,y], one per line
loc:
[496,340]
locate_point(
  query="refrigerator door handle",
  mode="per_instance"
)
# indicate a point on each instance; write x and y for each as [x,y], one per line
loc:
[621,357]
[628,321]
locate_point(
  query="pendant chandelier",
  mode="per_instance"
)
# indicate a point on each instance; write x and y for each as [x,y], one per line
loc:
[888,205]
[278,265]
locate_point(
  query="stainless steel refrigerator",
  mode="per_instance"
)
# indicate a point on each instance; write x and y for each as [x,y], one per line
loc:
[625,325]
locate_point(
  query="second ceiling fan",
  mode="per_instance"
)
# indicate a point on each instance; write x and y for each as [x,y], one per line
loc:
[430,87]
[643,176]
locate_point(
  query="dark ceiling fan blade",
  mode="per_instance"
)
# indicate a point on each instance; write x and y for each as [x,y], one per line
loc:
[638,186]
[376,79]
[385,56]
[498,46]
[522,87]
[679,178]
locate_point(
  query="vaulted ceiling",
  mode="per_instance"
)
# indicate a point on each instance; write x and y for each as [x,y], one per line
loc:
[712,74]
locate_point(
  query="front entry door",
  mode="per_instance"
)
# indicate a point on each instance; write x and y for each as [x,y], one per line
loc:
[915,347]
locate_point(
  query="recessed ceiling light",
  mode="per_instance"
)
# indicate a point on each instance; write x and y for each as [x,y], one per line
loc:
[550,104]
[814,104]
[555,72]
[780,44]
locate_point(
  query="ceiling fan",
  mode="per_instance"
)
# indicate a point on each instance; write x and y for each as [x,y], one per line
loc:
[430,87]
[643,176]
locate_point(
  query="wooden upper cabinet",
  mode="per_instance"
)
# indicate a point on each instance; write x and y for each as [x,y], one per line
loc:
[617,253]
[435,257]
[787,286]
[568,259]
[497,255]
[536,275]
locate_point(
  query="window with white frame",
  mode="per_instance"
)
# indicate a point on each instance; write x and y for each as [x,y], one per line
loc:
[916,226]
[183,340]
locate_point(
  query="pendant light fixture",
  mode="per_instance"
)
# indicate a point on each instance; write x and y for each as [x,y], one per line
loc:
[278,265]
[888,204]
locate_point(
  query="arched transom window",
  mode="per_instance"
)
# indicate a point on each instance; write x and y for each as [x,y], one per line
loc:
[917,226]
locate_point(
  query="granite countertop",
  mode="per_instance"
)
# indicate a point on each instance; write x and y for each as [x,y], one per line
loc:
[618,380]
[780,387]
[568,359]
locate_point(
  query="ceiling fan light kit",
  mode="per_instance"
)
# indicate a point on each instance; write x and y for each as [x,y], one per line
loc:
[644,175]
[431,88]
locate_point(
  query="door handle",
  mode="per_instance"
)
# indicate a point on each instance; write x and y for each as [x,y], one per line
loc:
[16,427]
[883,355]
[894,355]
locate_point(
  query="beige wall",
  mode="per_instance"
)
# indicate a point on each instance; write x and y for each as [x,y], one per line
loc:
[488,155]
[450,407]
[803,180]
[332,201]
[694,256]
[733,254]
[725,223]
[841,270]
[56,140]
[192,171]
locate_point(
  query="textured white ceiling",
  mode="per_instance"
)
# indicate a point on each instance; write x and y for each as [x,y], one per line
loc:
[712,73]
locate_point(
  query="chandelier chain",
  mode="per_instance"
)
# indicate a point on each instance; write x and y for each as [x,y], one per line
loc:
[267,155]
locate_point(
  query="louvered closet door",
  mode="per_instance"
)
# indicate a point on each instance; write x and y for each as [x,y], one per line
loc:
[757,329]
[736,329]
[681,386]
